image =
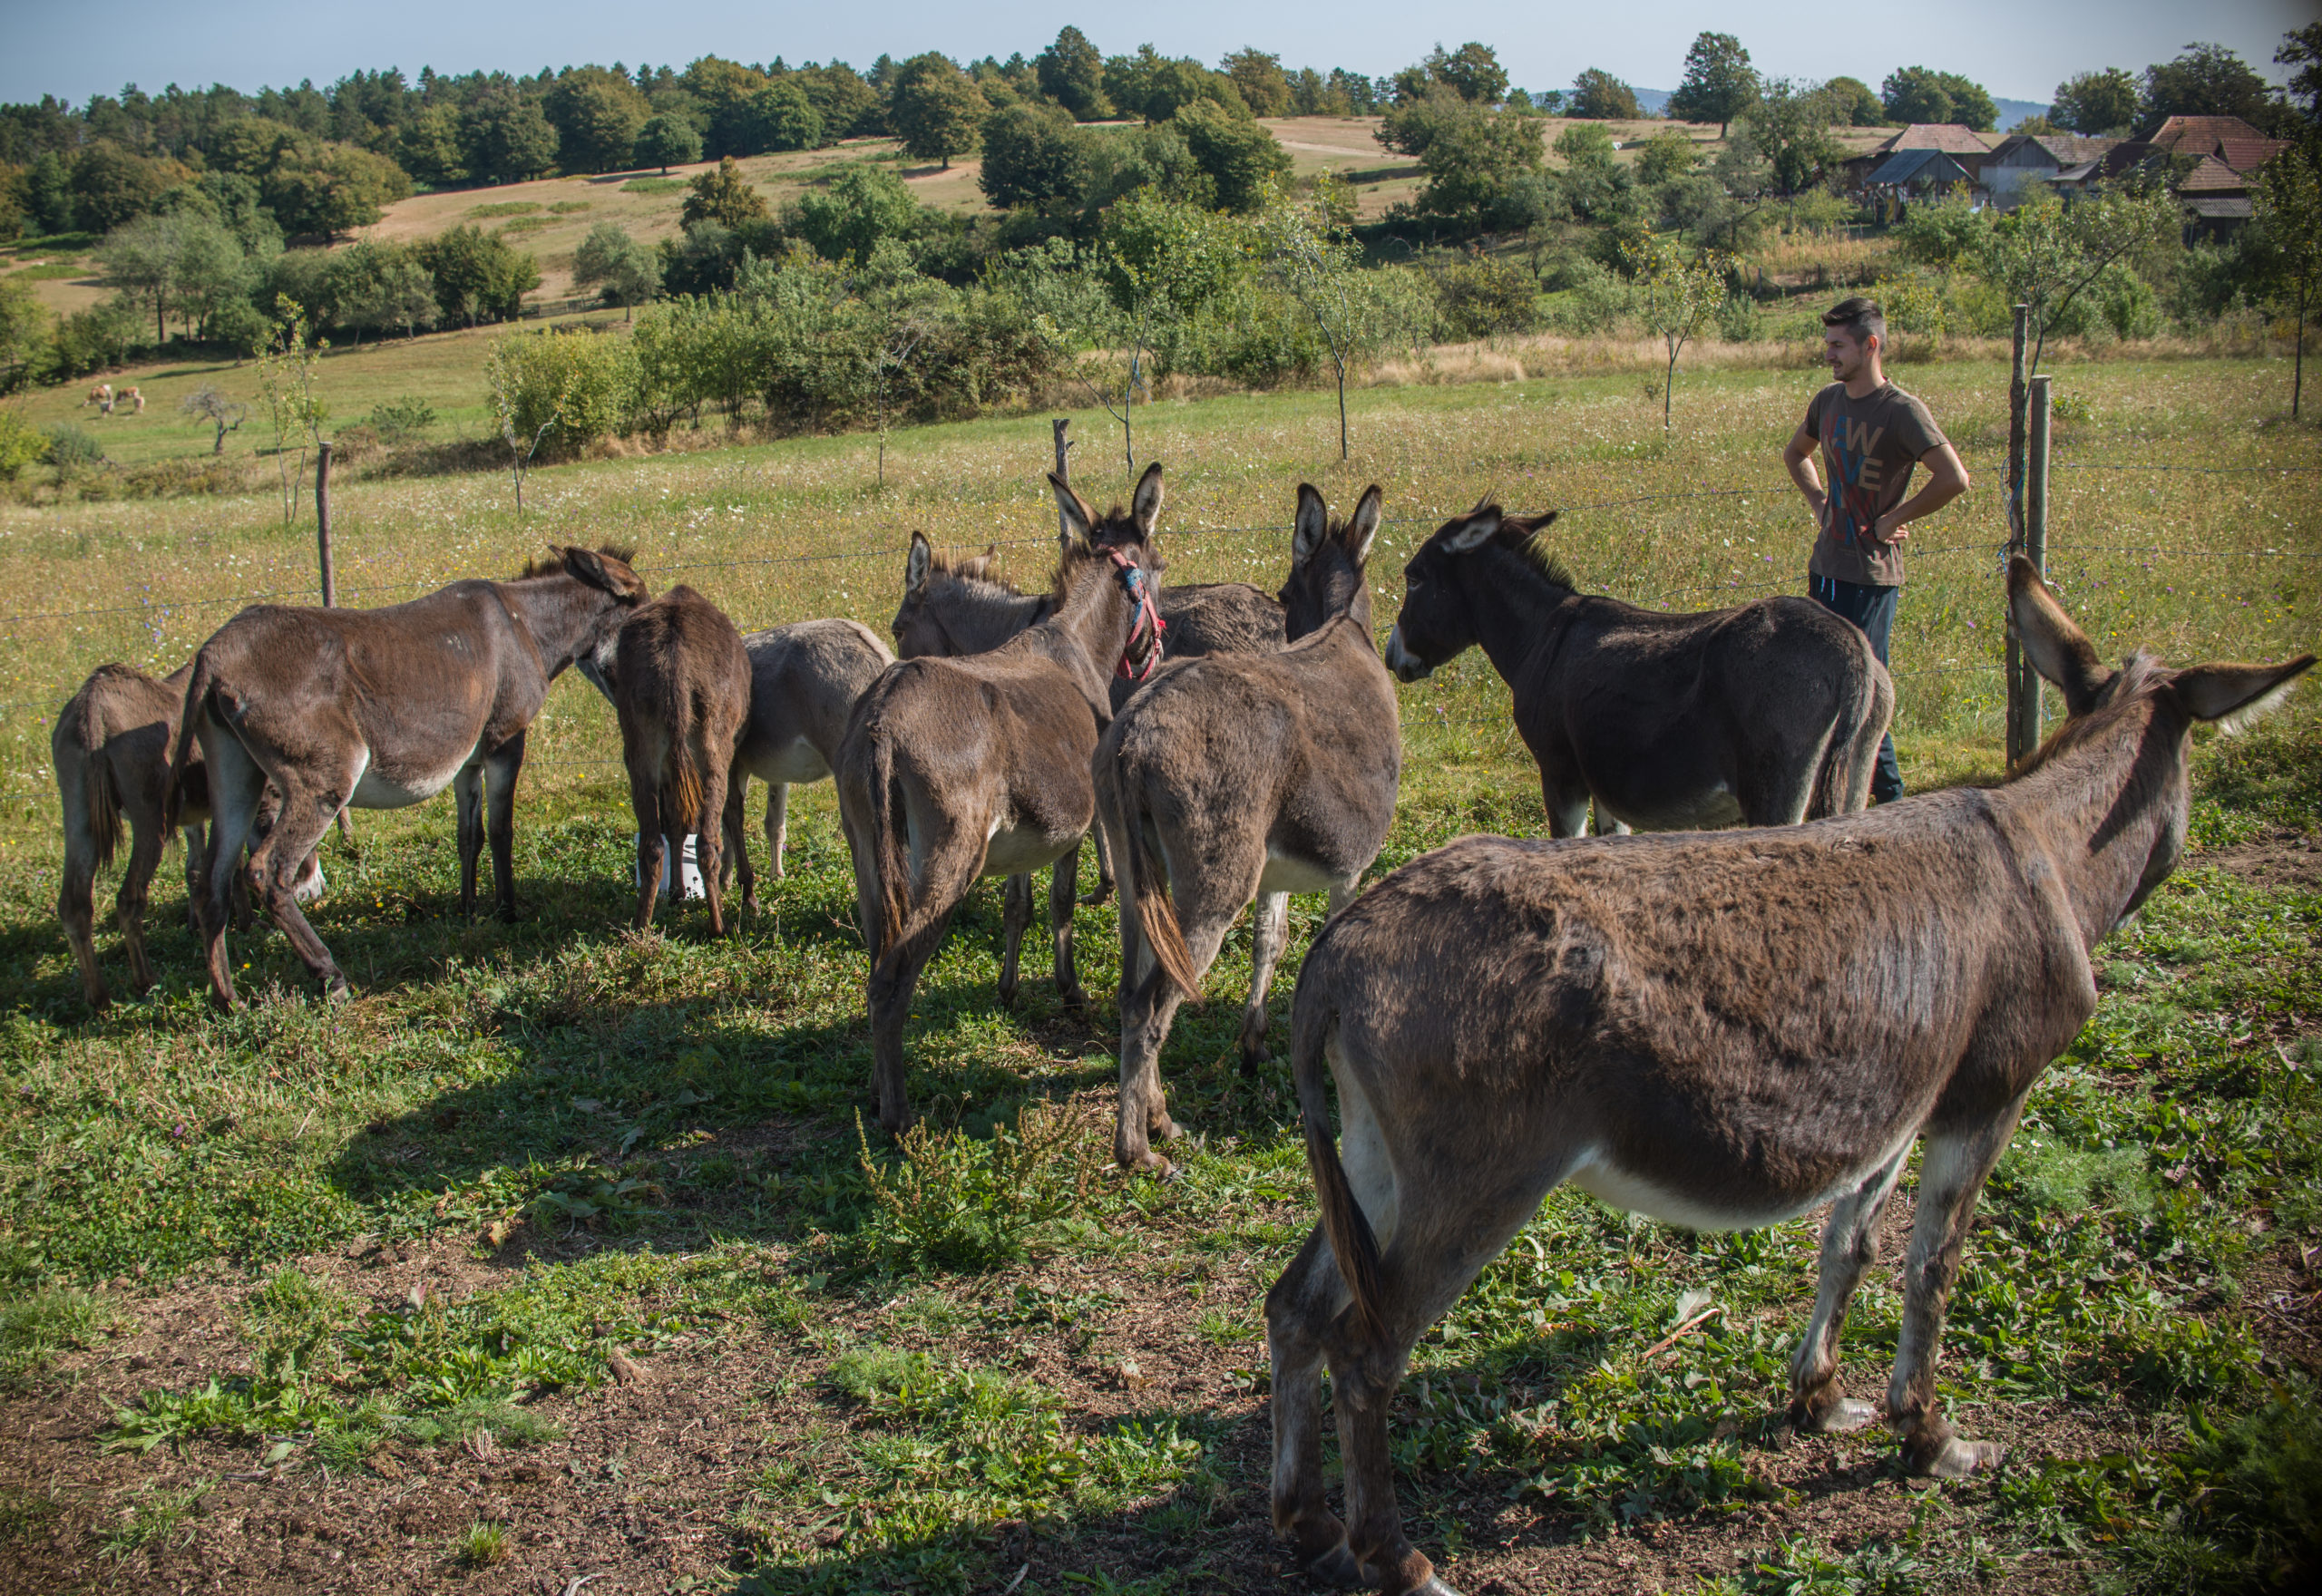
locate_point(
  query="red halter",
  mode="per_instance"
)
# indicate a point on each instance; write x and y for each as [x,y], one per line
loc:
[1140,593]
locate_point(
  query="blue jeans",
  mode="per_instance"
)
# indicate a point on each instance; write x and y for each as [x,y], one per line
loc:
[1872,609]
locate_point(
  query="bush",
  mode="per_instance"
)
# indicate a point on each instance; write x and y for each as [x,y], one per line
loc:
[1481,297]
[94,339]
[20,445]
[397,419]
[74,449]
[569,388]
[954,1202]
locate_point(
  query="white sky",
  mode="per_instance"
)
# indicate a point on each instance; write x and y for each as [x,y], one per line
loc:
[2016,50]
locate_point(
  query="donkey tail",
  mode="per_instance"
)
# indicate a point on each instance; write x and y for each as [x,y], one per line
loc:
[1157,912]
[890,868]
[1343,1221]
[197,688]
[1842,783]
[80,731]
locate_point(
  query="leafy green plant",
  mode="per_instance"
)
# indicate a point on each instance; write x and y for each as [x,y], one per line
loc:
[481,1544]
[34,1328]
[395,420]
[151,1519]
[74,449]
[951,1202]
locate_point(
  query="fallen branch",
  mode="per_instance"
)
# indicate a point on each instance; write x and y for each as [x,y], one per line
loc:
[1687,1328]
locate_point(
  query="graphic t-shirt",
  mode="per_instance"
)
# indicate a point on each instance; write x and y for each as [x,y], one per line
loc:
[1868,448]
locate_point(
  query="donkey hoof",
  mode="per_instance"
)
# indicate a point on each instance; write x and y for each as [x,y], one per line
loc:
[1959,1460]
[1844,1416]
[337,990]
[1339,1567]
[1434,1587]
[1103,894]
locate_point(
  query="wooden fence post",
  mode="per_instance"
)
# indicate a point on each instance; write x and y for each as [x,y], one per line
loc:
[1064,473]
[2024,728]
[2016,670]
[322,524]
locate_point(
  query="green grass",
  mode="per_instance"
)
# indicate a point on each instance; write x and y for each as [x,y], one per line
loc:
[655,185]
[980,1350]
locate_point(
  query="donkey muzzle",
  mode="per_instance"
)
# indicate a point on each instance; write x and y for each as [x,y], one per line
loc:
[1407,666]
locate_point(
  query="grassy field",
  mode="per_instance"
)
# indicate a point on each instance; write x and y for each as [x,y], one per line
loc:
[558,1252]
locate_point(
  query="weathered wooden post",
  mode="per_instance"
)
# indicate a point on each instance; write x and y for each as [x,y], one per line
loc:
[2017,669]
[2024,728]
[1064,471]
[322,524]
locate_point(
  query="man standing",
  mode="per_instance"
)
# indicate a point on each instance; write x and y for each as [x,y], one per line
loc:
[1871,434]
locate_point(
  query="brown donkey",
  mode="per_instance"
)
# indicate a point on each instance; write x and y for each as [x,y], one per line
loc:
[1241,777]
[1767,714]
[953,769]
[804,678]
[1721,1031]
[679,680]
[379,709]
[111,746]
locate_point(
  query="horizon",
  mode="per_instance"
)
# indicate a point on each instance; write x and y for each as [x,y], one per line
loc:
[276,45]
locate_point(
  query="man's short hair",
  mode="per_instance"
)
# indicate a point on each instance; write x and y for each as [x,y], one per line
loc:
[1860,318]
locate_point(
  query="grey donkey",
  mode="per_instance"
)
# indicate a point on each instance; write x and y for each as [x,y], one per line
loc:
[1721,1031]
[1243,777]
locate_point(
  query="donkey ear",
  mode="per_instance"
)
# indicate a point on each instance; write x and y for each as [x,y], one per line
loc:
[2057,649]
[603,573]
[1146,507]
[1471,531]
[1078,519]
[2236,695]
[920,560]
[1310,526]
[1364,527]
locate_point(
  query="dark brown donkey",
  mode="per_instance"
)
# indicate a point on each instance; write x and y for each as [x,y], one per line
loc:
[111,746]
[1721,1031]
[804,678]
[379,709]
[1767,714]
[954,769]
[1242,777]
[680,686]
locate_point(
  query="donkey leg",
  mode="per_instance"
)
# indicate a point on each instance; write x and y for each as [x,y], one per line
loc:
[196,838]
[500,773]
[1299,1309]
[1104,868]
[1953,1166]
[146,839]
[1015,914]
[709,838]
[235,786]
[735,859]
[1850,1247]
[76,901]
[893,979]
[1608,825]
[467,787]
[777,825]
[1064,885]
[1269,931]
[645,800]
[280,859]
[1567,807]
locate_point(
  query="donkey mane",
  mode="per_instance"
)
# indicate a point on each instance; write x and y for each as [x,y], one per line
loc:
[1529,543]
[2139,675]
[1079,554]
[552,565]
[979,568]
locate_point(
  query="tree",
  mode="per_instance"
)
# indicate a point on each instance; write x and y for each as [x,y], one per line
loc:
[781,117]
[1921,95]
[1677,294]
[1789,129]
[1309,247]
[936,108]
[1719,83]
[863,206]
[2302,50]
[722,195]
[145,257]
[1853,103]
[110,185]
[2095,102]
[2045,254]
[1240,157]
[1033,156]
[624,270]
[375,286]
[1072,73]
[25,333]
[1152,85]
[2206,80]
[1472,72]
[427,146]
[504,139]
[1666,157]
[208,405]
[1161,260]
[478,276]
[1257,77]
[596,116]
[286,385]
[849,106]
[331,189]
[1475,156]
[2289,208]
[666,141]
[1599,96]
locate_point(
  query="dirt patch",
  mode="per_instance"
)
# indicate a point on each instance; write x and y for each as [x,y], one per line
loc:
[2281,861]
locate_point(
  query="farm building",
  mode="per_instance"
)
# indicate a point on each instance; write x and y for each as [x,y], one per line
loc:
[2062,160]
[1913,174]
[1964,145]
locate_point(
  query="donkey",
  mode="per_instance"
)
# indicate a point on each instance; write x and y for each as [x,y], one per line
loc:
[953,769]
[954,606]
[110,751]
[1766,713]
[804,681]
[1244,776]
[1721,1031]
[680,686]
[379,709]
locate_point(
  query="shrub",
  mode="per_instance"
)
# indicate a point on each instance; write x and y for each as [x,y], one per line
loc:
[20,445]
[1481,297]
[954,1202]
[397,419]
[72,448]
[570,388]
